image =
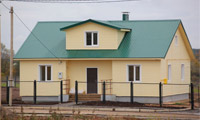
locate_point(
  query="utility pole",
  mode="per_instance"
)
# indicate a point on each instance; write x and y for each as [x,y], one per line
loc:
[11,57]
[0,60]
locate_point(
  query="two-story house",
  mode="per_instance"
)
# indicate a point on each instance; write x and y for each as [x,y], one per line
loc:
[92,51]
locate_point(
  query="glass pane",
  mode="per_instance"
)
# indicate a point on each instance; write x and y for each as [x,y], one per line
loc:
[89,38]
[95,38]
[42,73]
[48,72]
[182,71]
[131,71]
[169,72]
[137,78]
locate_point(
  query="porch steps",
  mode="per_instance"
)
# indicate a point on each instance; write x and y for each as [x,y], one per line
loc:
[85,97]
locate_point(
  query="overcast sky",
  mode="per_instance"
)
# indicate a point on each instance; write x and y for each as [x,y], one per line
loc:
[186,10]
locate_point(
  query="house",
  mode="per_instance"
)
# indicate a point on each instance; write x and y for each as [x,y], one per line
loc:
[92,51]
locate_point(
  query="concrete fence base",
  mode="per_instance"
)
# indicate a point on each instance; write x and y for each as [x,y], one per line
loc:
[45,98]
[140,99]
[144,99]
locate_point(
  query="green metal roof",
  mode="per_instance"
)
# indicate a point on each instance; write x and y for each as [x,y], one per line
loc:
[147,39]
[105,23]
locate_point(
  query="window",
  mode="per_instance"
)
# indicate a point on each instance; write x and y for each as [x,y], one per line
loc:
[176,40]
[182,71]
[169,72]
[91,38]
[134,73]
[45,72]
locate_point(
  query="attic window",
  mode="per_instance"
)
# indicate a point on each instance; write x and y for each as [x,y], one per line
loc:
[176,40]
[91,38]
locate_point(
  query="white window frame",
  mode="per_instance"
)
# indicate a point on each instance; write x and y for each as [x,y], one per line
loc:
[169,71]
[176,40]
[182,71]
[92,45]
[39,74]
[134,77]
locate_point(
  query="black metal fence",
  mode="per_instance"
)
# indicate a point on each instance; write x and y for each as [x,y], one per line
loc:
[5,88]
[131,88]
[131,91]
[31,84]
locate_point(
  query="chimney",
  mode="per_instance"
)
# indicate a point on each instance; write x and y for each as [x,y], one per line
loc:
[125,16]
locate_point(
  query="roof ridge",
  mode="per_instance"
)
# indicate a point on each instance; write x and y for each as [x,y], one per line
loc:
[110,20]
[56,21]
[145,20]
[105,23]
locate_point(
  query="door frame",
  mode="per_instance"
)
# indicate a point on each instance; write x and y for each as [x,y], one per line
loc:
[97,78]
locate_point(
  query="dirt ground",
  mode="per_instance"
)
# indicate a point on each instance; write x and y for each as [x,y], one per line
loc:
[127,104]
[103,113]
[15,91]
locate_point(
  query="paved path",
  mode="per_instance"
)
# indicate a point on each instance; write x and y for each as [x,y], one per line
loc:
[69,109]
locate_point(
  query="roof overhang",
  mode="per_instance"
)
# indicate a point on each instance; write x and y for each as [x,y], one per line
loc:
[97,22]
[125,30]
[187,42]
[56,59]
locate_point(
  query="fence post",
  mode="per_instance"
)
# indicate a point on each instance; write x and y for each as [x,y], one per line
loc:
[76,92]
[61,91]
[35,92]
[131,88]
[104,91]
[7,90]
[198,96]
[192,96]
[160,94]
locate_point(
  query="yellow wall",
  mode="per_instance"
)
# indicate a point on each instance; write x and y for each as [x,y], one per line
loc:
[120,37]
[176,56]
[77,71]
[109,38]
[150,71]
[179,51]
[29,71]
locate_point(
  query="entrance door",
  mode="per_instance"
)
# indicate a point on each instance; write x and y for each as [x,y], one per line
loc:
[91,80]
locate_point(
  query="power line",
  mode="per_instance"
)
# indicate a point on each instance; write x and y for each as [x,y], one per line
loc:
[31,31]
[73,1]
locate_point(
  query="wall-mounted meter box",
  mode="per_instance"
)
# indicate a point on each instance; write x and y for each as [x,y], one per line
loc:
[60,74]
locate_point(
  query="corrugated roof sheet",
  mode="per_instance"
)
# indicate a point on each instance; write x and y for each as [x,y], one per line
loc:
[147,39]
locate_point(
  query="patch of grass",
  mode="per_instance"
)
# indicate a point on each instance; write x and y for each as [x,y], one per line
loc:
[178,103]
[3,84]
[196,90]
[56,116]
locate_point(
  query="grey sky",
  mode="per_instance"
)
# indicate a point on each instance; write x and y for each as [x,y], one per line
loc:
[186,10]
